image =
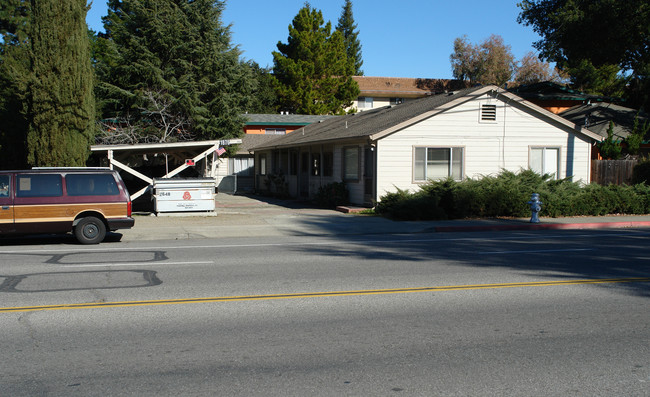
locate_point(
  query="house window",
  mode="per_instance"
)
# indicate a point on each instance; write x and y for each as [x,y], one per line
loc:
[438,163]
[262,164]
[488,113]
[275,131]
[396,101]
[241,166]
[328,164]
[365,102]
[545,160]
[351,163]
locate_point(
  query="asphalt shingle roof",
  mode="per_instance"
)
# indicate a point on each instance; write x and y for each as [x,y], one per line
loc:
[283,119]
[365,123]
[596,118]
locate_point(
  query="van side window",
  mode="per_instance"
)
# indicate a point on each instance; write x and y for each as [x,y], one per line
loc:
[4,186]
[91,185]
[39,185]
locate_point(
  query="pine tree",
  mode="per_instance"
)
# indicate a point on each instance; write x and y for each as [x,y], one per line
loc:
[173,74]
[347,26]
[313,72]
[60,88]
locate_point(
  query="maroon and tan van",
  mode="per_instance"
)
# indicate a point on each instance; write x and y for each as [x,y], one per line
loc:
[85,201]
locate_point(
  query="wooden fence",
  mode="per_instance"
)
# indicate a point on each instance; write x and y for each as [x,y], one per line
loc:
[617,172]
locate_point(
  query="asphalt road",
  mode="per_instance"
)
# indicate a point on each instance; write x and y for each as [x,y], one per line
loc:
[536,313]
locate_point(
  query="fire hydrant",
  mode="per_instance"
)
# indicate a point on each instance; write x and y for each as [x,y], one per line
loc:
[535,207]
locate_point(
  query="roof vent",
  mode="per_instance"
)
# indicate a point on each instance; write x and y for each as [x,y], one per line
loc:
[489,113]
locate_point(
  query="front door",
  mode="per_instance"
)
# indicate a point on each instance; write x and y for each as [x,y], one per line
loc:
[6,204]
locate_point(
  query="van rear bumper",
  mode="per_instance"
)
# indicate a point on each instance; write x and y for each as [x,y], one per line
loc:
[121,223]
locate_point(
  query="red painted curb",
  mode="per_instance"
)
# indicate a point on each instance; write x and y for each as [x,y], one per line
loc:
[542,226]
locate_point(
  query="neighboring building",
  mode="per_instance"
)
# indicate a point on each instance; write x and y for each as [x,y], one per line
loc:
[465,134]
[596,117]
[235,173]
[377,92]
[554,97]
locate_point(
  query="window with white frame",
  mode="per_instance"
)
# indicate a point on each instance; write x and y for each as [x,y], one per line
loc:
[275,131]
[545,160]
[437,163]
[365,102]
[241,166]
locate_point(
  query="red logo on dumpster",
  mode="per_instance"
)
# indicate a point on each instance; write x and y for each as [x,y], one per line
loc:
[187,196]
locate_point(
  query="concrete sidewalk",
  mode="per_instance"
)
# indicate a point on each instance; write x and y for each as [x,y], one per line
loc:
[251,216]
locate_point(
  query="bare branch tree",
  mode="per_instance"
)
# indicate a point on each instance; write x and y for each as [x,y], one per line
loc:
[157,122]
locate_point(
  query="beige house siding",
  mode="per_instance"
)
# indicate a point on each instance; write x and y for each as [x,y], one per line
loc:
[488,146]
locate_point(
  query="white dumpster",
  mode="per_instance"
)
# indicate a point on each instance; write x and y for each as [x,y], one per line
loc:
[182,195]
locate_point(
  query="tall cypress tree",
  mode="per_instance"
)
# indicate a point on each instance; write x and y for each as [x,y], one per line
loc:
[15,66]
[350,32]
[61,85]
[173,73]
[313,71]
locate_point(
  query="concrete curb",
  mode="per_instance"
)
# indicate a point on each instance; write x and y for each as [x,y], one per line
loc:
[543,226]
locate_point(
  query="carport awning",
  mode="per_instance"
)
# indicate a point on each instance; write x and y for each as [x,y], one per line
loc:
[195,150]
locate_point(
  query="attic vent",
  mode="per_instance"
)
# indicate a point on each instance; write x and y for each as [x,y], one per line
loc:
[488,112]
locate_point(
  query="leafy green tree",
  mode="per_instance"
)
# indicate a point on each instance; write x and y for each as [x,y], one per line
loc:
[491,62]
[60,91]
[348,27]
[264,100]
[172,73]
[15,66]
[580,35]
[313,71]
[637,135]
[610,148]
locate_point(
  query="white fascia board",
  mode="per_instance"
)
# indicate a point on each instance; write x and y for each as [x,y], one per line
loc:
[165,146]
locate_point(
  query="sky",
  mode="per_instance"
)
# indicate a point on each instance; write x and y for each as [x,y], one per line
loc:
[399,38]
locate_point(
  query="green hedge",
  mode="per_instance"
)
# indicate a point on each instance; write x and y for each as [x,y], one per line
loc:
[507,194]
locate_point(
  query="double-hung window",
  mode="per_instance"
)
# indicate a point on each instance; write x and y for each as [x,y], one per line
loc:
[438,163]
[545,160]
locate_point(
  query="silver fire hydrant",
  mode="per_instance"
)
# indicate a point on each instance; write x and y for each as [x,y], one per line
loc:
[535,207]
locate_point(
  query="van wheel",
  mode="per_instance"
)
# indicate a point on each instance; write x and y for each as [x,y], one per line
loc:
[90,230]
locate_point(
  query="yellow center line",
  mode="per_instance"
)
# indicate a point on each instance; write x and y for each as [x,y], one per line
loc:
[91,305]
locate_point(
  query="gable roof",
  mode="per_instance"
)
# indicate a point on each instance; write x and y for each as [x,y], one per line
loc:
[377,123]
[596,117]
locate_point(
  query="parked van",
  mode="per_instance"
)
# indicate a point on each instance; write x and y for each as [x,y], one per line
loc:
[85,201]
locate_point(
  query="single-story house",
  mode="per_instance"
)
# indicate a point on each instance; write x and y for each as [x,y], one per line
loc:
[463,134]
[235,172]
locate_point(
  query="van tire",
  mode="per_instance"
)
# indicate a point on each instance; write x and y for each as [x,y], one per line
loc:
[90,230]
